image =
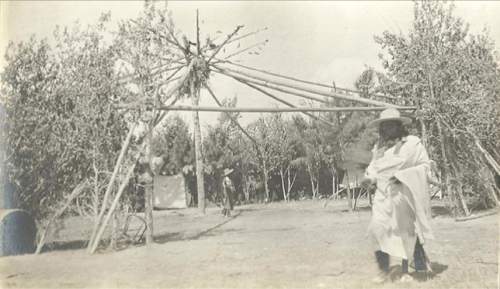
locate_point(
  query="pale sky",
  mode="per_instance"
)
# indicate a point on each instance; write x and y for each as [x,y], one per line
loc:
[318,41]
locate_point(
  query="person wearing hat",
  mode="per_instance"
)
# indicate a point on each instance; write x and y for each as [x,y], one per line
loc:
[398,173]
[228,190]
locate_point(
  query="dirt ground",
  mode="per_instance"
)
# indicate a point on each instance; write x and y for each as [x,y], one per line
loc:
[278,245]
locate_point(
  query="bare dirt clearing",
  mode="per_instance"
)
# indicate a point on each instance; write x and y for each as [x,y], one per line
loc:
[280,245]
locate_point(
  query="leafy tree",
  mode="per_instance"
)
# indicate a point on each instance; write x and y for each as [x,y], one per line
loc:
[61,126]
[173,142]
[453,78]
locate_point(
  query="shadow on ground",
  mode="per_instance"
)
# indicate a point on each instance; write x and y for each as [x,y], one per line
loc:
[160,239]
[63,246]
[170,237]
[396,272]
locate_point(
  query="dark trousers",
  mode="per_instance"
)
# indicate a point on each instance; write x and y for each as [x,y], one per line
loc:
[383,259]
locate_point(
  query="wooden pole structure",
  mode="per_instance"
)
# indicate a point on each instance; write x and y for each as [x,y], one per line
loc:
[94,240]
[310,90]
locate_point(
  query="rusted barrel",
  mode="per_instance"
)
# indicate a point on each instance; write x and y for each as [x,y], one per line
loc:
[17,232]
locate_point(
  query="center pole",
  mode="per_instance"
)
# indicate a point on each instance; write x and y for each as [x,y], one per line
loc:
[148,193]
[195,96]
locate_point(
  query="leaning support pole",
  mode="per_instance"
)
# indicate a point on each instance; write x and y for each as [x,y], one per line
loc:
[76,191]
[109,188]
[123,185]
[95,239]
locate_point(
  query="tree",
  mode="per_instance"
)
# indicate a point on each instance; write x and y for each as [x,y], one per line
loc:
[453,78]
[173,142]
[62,127]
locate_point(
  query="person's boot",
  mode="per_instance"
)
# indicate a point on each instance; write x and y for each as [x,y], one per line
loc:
[383,266]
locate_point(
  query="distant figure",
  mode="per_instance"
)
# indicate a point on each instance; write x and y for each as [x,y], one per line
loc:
[398,172]
[228,190]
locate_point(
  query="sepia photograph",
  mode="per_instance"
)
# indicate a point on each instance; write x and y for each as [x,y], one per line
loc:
[249,144]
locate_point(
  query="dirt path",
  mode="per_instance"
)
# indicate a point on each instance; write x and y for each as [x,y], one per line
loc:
[295,245]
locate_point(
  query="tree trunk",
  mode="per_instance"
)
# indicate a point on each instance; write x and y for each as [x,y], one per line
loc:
[290,183]
[148,194]
[282,175]
[246,190]
[266,188]
[114,231]
[424,132]
[349,193]
[446,172]
[95,197]
[195,94]
[333,183]
[311,179]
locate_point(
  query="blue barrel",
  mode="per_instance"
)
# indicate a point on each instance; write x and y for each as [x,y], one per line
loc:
[17,232]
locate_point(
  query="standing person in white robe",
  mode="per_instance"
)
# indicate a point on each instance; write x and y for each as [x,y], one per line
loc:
[401,207]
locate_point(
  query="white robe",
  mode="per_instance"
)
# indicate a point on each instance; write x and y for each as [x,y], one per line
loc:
[401,212]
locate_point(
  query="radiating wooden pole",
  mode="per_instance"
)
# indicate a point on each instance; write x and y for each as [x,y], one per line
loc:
[310,90]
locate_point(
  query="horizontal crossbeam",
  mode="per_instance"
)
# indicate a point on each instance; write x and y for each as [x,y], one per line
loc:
[263,109]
